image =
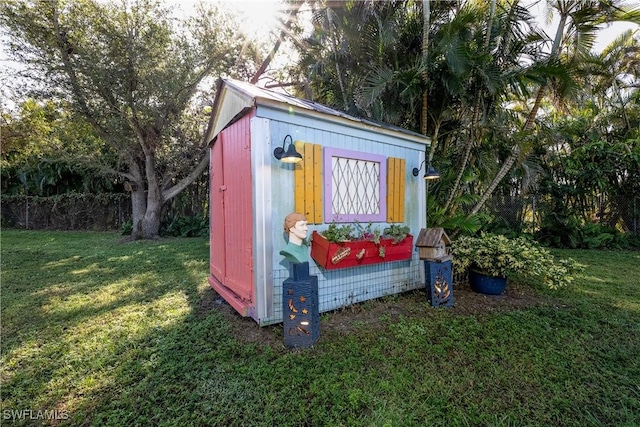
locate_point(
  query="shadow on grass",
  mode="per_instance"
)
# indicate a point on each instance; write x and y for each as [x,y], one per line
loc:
[71,308]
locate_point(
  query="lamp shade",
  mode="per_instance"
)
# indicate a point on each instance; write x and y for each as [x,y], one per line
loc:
[431,173]
[291,155]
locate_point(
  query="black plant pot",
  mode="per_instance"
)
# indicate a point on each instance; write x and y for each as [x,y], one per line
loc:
[485,284]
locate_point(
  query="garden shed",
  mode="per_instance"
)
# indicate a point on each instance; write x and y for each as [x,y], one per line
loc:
[352,171]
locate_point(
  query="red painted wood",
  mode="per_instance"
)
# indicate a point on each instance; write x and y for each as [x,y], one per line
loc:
[240,305]
[232,215]
[216,218]
[322,251]
[238,207]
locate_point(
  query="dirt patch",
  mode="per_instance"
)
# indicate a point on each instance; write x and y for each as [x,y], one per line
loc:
[377,314]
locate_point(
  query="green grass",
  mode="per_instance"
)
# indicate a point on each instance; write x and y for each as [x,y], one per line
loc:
[110,333]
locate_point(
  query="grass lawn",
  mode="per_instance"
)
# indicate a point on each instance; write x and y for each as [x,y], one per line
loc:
[100,332]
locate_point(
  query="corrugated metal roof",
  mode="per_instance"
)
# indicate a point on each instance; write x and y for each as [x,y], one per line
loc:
[234,98]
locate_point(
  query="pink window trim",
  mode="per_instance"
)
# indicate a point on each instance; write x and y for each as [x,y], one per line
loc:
[329,216]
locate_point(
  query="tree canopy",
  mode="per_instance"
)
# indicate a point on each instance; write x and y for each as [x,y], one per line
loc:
[495,93]
[131,70]
[492,77]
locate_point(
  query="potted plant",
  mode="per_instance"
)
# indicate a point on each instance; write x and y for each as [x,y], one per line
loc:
[492,259]
[351,245]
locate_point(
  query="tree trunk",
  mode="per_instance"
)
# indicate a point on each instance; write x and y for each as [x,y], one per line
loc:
[147,212]
[434,139]
[138,208]
[286,26]
[426,12]
[516,152]
[150,225]
[513,156]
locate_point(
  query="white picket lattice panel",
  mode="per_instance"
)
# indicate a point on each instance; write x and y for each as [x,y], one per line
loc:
[356,185]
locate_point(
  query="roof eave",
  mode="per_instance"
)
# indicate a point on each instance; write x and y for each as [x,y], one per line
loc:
[406,135]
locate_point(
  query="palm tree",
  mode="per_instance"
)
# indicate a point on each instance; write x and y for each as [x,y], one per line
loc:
[470,76]
[574,38]
[352,45]
[615,72]
[494,68]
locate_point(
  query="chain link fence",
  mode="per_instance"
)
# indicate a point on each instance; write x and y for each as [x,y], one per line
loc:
[71,211]
[109,211]
[527,213]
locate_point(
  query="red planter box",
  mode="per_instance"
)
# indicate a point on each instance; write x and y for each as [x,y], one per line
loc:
[332,256]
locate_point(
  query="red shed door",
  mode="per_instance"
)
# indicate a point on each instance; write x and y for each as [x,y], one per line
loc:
[216,220]
[232,212]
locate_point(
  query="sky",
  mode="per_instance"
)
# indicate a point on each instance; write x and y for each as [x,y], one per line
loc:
[259,16]
[604,37]
[607,35]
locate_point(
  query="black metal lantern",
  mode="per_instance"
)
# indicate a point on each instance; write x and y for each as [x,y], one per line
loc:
[439,284]
[429,174]
[288,156]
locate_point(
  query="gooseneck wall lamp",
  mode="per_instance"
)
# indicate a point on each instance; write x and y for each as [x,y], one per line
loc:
[429,174]
[288,156]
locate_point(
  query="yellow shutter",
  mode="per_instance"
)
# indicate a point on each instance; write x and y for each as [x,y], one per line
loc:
[396,169]
[299,180]
[308,182]
[317,183]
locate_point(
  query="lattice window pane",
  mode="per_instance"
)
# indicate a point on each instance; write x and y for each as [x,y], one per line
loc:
[356,186]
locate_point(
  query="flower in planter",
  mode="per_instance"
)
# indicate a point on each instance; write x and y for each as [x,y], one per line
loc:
[348,233]
[338,233]
[396,232]
[497,255]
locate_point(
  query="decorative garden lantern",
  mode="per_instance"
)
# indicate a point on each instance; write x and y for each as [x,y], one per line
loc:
[300,303]
[432,245]
[301,317]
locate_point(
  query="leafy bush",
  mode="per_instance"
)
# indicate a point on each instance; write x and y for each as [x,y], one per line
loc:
[570,232]
[185,226]
[127,228]
[498,255]
[499,225]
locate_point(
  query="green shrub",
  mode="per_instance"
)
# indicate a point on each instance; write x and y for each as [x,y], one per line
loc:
[178,226]
[127,228]
[185,226]
[500,256]
[570,232]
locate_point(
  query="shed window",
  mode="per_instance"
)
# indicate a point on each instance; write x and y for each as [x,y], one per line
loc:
[355,186]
